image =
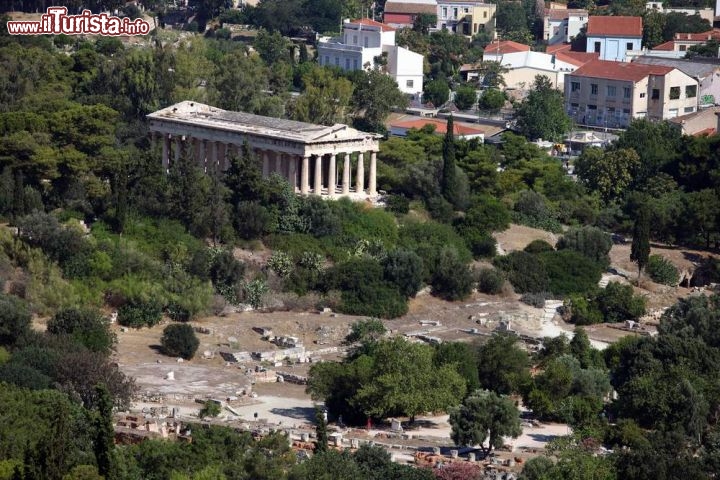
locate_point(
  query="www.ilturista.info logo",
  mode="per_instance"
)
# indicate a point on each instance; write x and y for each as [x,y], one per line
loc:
[57,21]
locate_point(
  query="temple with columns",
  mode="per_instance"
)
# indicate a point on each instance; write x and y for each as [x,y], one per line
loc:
[305,154]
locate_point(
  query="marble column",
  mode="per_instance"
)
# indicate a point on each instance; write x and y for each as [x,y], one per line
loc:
[360,178]
[332,178]
[166,152]
[372,187]
[292,171]
[178,149]
[318,174]
[305,175]
[266,164]
[346,175]
[213,155]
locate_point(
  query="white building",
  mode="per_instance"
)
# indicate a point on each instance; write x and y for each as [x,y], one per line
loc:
[560,25]
[614,36]
[366,44]
[524,66]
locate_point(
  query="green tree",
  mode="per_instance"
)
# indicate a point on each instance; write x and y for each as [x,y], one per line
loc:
[189,193]
[542,113]
[483,416]
[374,96]
[492,100]
[104,432]
[452,279]
[590,241]
[88,326]
[436,92]
[272,47]
[449,175]
[404,269]
[325,99]
[610,173]
[502,365]
[14,319]
[320,431]
[369,330]
[464,357]
[640,248]
[179,340]
[465,97]
[210,409]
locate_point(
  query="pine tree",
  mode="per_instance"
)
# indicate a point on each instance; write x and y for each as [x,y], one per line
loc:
[104,432]
[119,187]
[189,193]
[218,215]
[243,178]
[449,175]
[640,249]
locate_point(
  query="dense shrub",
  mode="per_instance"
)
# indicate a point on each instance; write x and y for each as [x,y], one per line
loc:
[179,340]
[531,209]
[225,269]
[661,270]
[281,264]
[526,272]
[570,272]
[536,300]
[487,213]
[377,299]
[490,281]
[14,319]
[618,303]
[252,220]
[139,313]
[480,243]
[538,246]
[440,209]
[88,326]
[451,279]
[589,241]
[398,204]
[404,269]
[583,311]
[427,239]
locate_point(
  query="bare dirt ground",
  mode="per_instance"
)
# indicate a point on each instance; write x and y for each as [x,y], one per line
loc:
[518,237]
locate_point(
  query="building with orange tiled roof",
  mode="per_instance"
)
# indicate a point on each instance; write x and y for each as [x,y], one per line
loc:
[462,130]
[610,94]
[678,46]
[366,44]
[561,25]
[612,37]
[502,47]
[402,13]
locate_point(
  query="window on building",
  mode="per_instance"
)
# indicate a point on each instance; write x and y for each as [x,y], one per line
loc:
[466,10]
[355,64]
[574,86]
[475,28]
[629,46]
[354,39]
[611,90]
[597,47]
[691,91]
[626,111]
[674,93]
[409,83]
[592,107]
[327,60]
[627,92]
[444,12]
[593,89]
[347,64]
[655,93]
[485,14]
[337,61]
[574,105]
[455,12]
[689,109]
[683,48]
[367,40]
[642,95]
[566,30]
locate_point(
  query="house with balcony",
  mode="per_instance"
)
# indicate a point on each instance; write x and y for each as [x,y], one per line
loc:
[705,70]
[366,44]
[402,13]
[561,25]
[610,94]
[466,17]
[612,37]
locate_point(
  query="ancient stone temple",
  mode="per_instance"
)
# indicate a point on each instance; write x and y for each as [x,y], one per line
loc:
[306,154]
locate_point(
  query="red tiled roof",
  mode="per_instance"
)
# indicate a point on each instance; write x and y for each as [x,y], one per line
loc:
[372,23]
[713,34]
[440,126]
[414,8]
[507,46]
[576,58]
[615,26]
[560,47]
[632,72]
[667,46]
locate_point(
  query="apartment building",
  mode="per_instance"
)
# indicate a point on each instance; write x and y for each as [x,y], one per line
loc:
[366,44]
[611,94]
[679,45]
[466,17]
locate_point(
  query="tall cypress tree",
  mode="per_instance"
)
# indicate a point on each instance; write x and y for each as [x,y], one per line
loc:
[321,430]
[448,175]
[104,432]
[640,248]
